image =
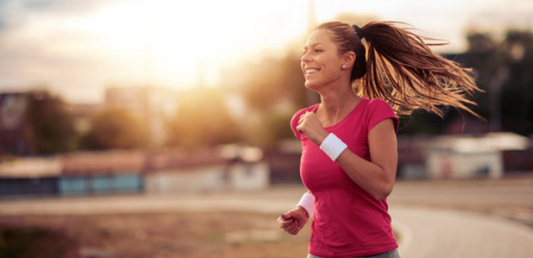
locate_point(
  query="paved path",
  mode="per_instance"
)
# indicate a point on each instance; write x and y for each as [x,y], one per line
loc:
[424,232]
[455,234]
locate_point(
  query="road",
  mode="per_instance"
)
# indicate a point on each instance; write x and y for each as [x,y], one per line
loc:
[434,219]
[511,198]
[457,234]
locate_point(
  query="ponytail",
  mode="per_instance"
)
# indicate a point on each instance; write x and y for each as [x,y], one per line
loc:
[396,65]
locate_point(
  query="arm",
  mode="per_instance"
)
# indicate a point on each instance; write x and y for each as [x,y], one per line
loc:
[294,220]
[375,176]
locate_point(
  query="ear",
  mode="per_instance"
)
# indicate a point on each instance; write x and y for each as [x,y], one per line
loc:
[348,59]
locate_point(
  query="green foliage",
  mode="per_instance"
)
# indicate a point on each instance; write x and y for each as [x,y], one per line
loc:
[52,125]
[116,128]
[202,119]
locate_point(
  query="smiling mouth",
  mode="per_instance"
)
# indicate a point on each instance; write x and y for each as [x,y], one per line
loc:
[311,71]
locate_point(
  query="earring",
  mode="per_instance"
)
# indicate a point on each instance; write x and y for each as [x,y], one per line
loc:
[343,66]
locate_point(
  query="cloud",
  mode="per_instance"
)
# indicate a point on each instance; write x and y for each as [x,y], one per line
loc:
[81,45]
[38,45]
[75,44]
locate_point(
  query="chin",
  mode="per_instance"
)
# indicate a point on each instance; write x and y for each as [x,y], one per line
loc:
[311,85]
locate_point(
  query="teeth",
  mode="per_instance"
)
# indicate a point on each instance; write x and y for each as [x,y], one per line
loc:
[311,71]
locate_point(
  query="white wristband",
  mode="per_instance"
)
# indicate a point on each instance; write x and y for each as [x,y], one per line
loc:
[333,146]
[306,202]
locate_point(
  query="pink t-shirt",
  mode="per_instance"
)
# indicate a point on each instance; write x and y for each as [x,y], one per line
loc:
[348,221]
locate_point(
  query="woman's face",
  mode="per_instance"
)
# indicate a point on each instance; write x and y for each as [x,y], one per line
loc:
[320,62]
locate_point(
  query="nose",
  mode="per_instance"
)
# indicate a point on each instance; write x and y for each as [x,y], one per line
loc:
[305,58]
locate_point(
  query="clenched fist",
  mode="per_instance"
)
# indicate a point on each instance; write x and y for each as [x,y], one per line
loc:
[312,128]
[293,221]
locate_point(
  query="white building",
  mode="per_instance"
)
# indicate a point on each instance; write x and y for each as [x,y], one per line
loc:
[467,156]
[227,169]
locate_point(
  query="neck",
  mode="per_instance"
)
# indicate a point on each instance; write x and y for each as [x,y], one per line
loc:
[336,104]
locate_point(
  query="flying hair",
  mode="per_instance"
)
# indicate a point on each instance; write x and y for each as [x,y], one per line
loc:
[395,64]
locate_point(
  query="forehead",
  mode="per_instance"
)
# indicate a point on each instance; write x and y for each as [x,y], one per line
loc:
[319,36]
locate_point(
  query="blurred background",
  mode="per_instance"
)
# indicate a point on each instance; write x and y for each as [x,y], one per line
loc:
[108,98]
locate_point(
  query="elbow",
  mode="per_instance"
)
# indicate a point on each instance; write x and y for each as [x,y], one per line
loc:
[384,192]
[382,196]
[385,185]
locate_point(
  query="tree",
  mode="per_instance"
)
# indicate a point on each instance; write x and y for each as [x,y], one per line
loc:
[202,120]
[517,91]
[116,128]
[52,125]
[503,71]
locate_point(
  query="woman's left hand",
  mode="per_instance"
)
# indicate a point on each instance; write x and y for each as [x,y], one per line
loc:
[312,128]
[294,220]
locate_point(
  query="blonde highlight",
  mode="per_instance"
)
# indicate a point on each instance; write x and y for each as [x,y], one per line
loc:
[400,68]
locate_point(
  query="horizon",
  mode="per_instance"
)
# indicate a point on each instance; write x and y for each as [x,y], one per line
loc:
[79,49]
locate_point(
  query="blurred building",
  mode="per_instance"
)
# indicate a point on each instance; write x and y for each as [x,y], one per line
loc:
[411,156]
[231,167]
[164,171]
[153,105]
[492,155]
[107,172]
[83,114]
[467,156]
[14,128]
[30,176]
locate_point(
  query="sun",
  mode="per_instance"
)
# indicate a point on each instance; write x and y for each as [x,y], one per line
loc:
[177,42]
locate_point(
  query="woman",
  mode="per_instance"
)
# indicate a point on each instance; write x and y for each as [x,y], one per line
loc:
[365,77]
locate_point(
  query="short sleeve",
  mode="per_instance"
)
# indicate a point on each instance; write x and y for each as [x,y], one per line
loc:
[294,124]
[379,111]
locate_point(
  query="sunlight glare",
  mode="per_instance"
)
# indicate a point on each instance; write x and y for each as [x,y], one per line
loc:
[176,42]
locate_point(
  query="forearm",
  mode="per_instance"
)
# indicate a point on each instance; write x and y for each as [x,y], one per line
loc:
[375,176]
[370,176]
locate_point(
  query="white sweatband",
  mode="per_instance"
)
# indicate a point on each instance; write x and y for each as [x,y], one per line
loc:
[306,202]
[333,146]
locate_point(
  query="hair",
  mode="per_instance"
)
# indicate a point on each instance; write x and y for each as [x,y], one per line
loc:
[396,65]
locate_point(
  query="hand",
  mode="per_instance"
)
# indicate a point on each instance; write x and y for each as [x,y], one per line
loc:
[294,220]
[312,128]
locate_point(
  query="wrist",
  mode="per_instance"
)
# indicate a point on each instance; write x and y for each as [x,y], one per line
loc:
[306,203]
[333,146]
[318,137]
[303,211]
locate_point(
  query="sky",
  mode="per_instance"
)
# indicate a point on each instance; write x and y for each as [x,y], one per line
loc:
[77,48]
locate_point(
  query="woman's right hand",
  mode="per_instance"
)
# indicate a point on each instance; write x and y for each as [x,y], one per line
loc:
[294,220]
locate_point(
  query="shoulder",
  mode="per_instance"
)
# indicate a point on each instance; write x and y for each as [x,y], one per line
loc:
[377,106]
[302,111]
[378,103]
[379,110]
